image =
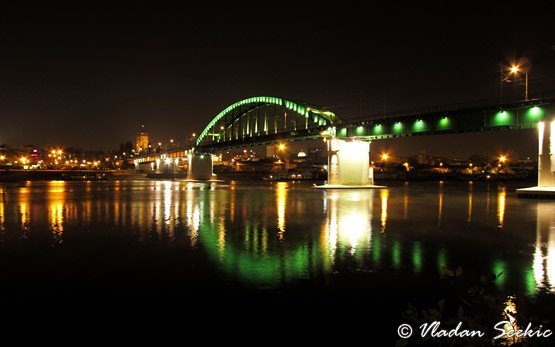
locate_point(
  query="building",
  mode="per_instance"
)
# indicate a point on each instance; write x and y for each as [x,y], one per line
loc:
[141,142]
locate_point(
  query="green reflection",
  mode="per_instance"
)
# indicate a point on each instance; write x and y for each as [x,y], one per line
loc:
[500,270]
[376,249]
[396,254]
[270,254]
[530,282]
[441,260]
[417,256]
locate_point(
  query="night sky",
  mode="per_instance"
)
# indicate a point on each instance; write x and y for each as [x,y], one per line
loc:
[88,75]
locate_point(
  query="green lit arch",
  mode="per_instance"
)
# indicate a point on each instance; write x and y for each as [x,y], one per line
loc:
[321,116]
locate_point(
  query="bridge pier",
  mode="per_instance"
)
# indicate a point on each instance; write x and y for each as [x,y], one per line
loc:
[200,167]
[348,164]
[546,163]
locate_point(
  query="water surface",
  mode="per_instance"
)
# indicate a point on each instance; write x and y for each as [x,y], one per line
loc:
[179,244]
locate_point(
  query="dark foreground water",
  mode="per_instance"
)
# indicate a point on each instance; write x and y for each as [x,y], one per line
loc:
[149,249]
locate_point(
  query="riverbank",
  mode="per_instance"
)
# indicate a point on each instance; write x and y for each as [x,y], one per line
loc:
[67,175]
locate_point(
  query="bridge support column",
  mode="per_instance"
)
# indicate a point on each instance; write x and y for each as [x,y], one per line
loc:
[348,163]
[546,163]
[200,167]
[546,154]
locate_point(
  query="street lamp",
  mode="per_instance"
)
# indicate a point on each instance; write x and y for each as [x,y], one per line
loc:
[187,138]
[515,69]
[502,158]
[385,156]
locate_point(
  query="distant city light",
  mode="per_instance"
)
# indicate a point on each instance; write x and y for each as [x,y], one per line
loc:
[282,146]
[385,156]
[502,158]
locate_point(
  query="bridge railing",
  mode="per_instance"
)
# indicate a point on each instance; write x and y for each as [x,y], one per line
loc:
[483,103]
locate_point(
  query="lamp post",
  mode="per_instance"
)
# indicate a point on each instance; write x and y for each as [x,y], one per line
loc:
[515,69]
[193,136]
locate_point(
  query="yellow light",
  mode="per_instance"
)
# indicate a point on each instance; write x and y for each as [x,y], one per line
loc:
[194,134]
[2,157]
[440,164]
[385,156]
[281,146]
[502,158]
[514,69]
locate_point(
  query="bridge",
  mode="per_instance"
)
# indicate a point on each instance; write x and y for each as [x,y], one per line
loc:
[265,120]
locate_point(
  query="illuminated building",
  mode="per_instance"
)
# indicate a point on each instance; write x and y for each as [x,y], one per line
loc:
[141,142]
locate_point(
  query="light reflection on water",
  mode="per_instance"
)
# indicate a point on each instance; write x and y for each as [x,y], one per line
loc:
[272,234]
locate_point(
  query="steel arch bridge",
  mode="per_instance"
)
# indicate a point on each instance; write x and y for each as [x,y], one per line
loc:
[263,120]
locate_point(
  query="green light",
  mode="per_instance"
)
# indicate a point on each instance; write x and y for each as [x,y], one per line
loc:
[326,117]
[359,130]
[444,123]
[343,132]
[378,129]
[419,125]
[502,118]
[534,114]
[398,127]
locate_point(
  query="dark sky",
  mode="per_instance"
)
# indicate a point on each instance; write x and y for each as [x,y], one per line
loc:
[88,74]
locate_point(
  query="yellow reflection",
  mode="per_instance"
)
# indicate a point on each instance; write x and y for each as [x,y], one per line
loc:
[384,194]
[221,235]
[232,205]
[330,228]
[281,201]
[440,204]
[487,201]
[469,213]
[406,203]
[117,210]
[2,213]
[168,217]
[349,221]
[24,199]
[509,315]
[501,195]
[543,264]
[537,265]
[551,259]
[56,200]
